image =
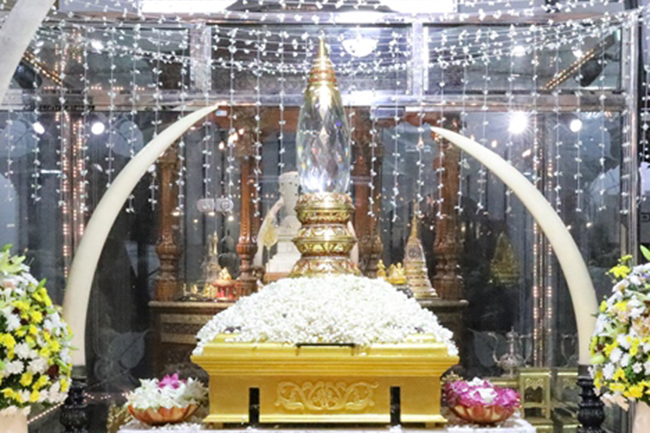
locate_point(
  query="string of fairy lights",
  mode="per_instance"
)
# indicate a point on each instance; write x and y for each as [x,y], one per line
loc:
[293,10]
[448,55]
[133,113]
[300,65]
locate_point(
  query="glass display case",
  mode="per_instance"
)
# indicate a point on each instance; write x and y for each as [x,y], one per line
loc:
[556,100]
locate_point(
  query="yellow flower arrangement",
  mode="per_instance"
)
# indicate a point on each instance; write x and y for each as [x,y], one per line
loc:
[620,347]
[35,361]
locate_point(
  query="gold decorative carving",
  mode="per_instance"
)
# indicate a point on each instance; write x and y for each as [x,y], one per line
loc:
[534,383]
[325,396]
[324,240]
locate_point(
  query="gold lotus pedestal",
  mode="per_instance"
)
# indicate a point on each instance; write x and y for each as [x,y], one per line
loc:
[325,384]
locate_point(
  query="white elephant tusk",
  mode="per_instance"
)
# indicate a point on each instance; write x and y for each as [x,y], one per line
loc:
[84,265]
[568,255]
[17,32]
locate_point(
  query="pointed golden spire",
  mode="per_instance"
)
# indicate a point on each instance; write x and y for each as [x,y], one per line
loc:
[323,70]
[213,244]
[414,223]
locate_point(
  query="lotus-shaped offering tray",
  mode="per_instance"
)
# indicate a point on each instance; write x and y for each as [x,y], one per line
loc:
[163,415]
[167,401]
[480,402]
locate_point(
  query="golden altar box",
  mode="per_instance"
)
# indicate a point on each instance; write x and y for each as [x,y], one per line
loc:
[325,384]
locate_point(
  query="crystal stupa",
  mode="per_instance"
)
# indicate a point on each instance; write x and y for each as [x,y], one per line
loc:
[324,166]
[323,141]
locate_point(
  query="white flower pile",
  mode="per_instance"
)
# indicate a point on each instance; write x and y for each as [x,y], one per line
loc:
[332,309]
[150,395]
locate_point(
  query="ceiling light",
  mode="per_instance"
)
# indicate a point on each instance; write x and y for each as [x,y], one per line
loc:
[358,17]
[421,7]
[577,52]
[185,6]
[97,45]
[518,122]
[518,51]
[360,46]
[98,128]
[575,125]
[38,128]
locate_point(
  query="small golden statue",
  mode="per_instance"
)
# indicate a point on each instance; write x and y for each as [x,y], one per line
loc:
[397,275]
[224,275]
[191,294]
[504,266]
[381,270]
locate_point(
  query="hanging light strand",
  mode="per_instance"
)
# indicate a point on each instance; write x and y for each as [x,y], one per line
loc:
[442,63]
[396,134]
[602,205]
[463,122]
[232,133]
[112,93]
[557,173]
[182,149]
[36,152]
[282,151]
[578,144]
[482,174]
[258,126]
[157,96]
[510,94]
[135,99]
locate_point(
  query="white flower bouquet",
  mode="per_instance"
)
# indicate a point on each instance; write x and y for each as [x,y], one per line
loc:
[35,361]
[620,347]
[332,309]
[166,401]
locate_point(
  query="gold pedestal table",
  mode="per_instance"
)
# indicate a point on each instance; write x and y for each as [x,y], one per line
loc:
[285,384]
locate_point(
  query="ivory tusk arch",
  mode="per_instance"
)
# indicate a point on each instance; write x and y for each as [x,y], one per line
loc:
[84,264]
[17,32]
[581,288]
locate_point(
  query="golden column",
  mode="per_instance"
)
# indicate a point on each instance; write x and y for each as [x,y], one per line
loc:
[324,165]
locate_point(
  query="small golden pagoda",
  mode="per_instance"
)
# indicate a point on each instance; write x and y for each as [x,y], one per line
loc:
[415,265]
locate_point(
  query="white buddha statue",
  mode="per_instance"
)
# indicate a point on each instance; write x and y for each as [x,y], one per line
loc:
[280,226]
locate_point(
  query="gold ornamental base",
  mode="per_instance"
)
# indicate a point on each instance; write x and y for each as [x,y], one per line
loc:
[325,384]
[324,240]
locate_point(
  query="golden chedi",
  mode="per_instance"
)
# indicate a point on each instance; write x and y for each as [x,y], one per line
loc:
[415,264]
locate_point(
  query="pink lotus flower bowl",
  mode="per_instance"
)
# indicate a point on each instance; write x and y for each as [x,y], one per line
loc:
[483,415]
